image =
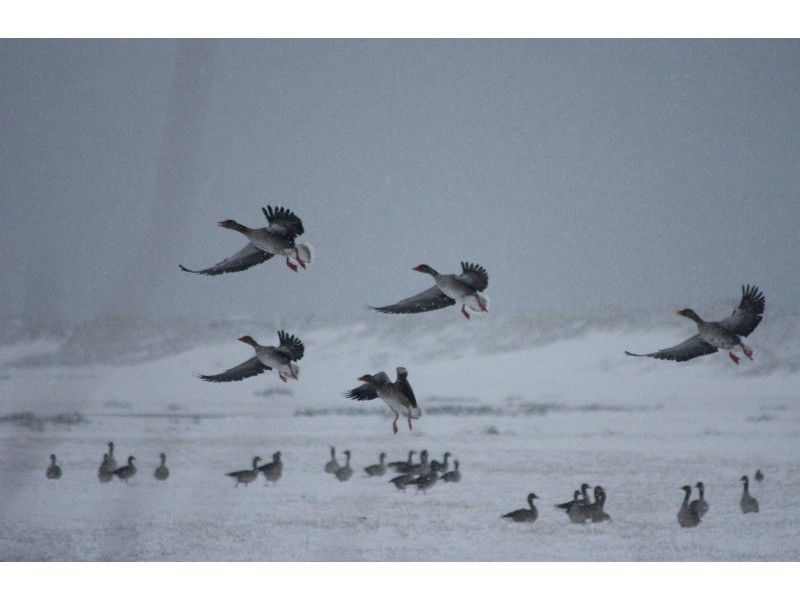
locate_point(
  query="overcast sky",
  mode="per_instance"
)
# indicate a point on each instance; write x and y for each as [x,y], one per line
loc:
[581,174]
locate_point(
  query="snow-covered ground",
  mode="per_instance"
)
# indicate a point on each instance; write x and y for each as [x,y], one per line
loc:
[524,404]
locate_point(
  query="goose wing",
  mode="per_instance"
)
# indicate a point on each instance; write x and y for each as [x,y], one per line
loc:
[283,221]
[291,345]
[686,350]
[404,387]
[746,317]
[365,391]
[430,299]
[474,276]
[248,368]
[247,257]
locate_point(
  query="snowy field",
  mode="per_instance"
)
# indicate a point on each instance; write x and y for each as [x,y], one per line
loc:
[524,404]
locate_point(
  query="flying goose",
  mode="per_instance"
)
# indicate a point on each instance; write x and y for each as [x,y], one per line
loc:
[686,516]
[748,503]
[278,238]
[53,471]
[162,472]
[282,358]
[464,289]
[714,335]
[398,396]
[247,476]
[524,515]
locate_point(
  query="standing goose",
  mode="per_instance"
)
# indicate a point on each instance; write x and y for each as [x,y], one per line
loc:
[748,503]
[128,471]
[453,476]
[162,472]
[524,515]
[111,463]
[759,476]
[247,476]
[104,473]
[422,467]
[332,465]
[281,358]
[595,509]
[464,289]
[700,506]
[713,335]
[441,467]
[264,243]
[400,466]
[346,472]
[379,469]
[53,471]
[686,516]
[425,481]
[401,481]
[272,471]
[398,396]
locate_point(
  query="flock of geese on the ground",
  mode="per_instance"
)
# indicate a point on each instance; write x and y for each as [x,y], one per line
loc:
[466,289]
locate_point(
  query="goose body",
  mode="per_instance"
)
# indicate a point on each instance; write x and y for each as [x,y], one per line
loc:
[104,473]
[277,239]
[53,471]
[524,515]
[400,466]
[162,472]
[282,358]
[128,471]
[111,462]
[332,465]
[747,503]
[715,335]
[425,481]
[398,396]
[595,510]
[453,476]
[441,467]
[686,516]
[700,506]
[273,471]
[464,289]
[246,476]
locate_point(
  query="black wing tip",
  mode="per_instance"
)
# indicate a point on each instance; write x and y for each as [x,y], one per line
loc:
[187,270]
[753,297]
[280,213]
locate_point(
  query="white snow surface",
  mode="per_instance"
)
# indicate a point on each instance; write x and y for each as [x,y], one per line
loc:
[525,404]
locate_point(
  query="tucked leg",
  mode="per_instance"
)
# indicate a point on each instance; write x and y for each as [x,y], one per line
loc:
[291,265]
[464,310]
[734,358]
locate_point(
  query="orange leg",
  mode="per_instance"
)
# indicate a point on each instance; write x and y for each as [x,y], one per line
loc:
[734,358]
[292,266]
[464,310]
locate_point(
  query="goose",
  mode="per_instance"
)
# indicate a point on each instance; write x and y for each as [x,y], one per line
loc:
[422,467]
[104,473]
[247,476]
[400,466]
[272,471]
[464,289]
[346,472]
[379,469]
[686,516]
[53,471]
[524,515]
[425,481]
[700,506]
[332,465]
[401,481]
[576,509]
[281,358]
[278,238]
[126,472]
[162,472]
[595,509]
[759,476]
[748,503]
[714,335]
[441,467]
[453,476]
[398,396]
[575,500]
[111,465]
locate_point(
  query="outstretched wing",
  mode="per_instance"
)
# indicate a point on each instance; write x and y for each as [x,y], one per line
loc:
[746,317]
[474,275]
[247,257]
[284,221]
[248,368]
[366,391]
[291,345]
[686,350]
[430,299]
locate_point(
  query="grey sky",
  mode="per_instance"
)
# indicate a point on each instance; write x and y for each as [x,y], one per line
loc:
[580,173]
